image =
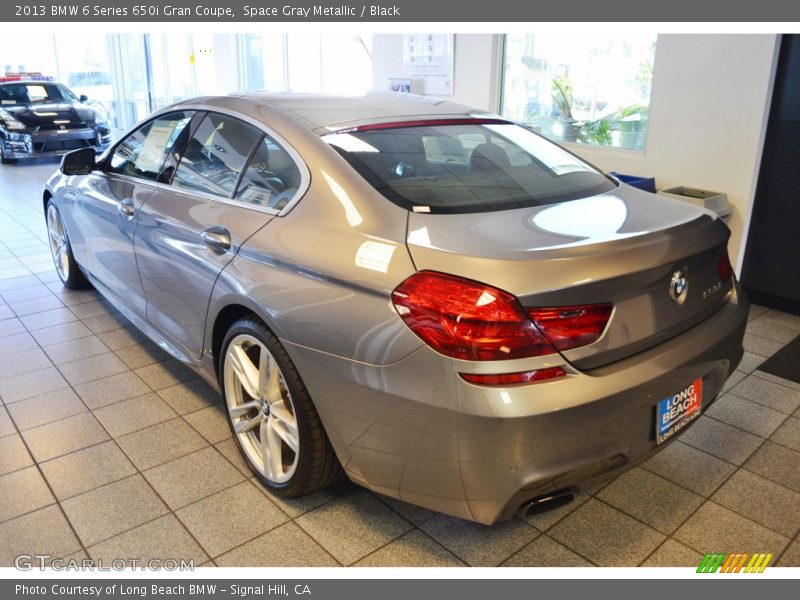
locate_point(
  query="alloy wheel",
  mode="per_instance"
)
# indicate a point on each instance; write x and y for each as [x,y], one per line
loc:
[260,408]
[58,242]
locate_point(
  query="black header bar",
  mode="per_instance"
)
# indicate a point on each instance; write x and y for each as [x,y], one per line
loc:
[399,11]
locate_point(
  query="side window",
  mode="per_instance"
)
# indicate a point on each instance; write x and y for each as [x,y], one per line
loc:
[215,155]
[67,94]
[142,153]
[271,178]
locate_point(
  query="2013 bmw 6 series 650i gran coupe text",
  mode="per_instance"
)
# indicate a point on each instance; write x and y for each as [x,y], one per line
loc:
[440,304]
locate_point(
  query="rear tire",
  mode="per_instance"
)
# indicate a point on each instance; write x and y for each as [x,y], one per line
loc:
[66,266]
[271,415]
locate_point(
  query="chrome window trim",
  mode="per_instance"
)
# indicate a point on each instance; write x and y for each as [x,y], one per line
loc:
[305,174]
[155,185]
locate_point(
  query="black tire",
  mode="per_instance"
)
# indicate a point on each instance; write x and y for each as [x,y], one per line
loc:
[3,159]
[317,464]
[75,279]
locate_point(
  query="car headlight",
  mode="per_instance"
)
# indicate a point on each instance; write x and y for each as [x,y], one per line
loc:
[100,114]
[11,123]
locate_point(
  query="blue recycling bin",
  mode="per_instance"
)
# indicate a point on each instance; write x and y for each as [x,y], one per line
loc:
[648,184]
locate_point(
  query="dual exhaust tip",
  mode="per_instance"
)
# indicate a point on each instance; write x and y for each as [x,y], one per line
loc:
[547,502]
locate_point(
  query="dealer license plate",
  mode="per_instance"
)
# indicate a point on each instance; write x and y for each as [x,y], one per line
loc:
[677,411]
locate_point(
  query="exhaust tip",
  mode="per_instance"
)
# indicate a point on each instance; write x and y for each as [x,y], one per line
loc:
[547,502]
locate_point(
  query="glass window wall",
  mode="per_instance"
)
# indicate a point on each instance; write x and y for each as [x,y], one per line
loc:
[581,89]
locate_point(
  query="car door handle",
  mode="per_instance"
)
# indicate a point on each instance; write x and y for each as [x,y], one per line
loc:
[126,208]
[218,239]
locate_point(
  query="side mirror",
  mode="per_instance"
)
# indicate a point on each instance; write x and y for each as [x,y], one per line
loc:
[78,162]
[83,98]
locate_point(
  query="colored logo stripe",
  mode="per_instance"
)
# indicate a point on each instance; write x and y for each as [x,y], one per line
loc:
[729,562]
[758,563]
[710,563]
[734,563]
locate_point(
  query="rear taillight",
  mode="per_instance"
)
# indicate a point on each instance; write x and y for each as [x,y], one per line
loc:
[505,379]
[572,326]
[724,268]
[468,320]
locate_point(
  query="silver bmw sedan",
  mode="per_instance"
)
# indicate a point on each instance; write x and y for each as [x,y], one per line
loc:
[435,302]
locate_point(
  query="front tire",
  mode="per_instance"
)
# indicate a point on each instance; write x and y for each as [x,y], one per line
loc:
[3,159]
[271,415]
[66,266]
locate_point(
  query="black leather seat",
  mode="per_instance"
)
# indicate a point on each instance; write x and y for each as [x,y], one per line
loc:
[488,157]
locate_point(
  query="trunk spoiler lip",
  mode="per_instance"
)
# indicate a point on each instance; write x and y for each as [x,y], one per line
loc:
[575,249]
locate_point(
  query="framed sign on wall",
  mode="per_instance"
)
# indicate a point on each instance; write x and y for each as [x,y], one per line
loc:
[428,59]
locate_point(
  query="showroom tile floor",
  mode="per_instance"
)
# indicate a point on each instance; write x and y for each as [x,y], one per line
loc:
[110,449]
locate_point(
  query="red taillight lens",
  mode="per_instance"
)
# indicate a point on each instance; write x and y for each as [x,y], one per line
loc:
[502,379]
[568,327]
[473,321]
[466,319]
[724,267]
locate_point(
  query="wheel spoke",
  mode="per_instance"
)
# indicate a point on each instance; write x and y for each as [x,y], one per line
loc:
[242,409]
[51,220]
[285,425]
[63,261]
[56,225]
[266,463]
[246,425]
[271,445]
[282,413]
[245,370]
[264,369]
[273,388]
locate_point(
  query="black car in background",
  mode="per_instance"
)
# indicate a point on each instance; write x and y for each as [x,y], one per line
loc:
[44,118]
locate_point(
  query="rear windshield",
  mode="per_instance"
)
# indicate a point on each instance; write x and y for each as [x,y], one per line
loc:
[467,168]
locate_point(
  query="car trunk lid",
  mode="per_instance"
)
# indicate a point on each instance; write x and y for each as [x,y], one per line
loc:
[626,248]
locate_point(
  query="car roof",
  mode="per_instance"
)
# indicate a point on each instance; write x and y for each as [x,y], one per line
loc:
[320,111]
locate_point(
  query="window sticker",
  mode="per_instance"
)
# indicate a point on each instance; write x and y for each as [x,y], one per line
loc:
[151,157]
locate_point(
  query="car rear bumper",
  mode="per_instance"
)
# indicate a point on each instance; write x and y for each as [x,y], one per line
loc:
[416,431]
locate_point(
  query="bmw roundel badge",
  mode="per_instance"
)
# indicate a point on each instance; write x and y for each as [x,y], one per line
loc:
[678,286]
